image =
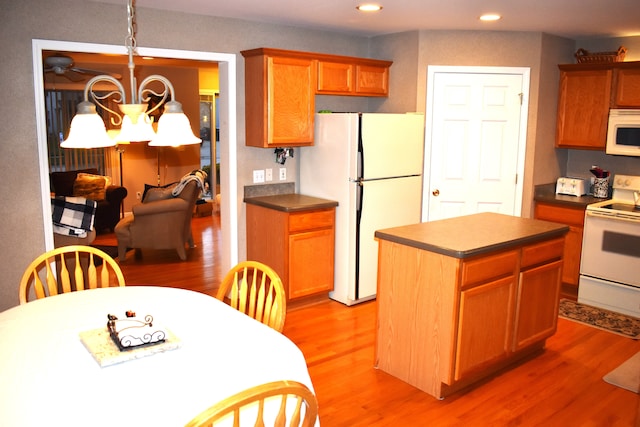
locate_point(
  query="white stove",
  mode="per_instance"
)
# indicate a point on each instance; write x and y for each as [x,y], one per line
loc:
[625,201]
[610,262]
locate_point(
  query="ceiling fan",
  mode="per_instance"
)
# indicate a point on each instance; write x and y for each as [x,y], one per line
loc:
[63,65]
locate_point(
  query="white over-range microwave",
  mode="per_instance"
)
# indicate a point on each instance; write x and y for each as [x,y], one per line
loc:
[623,133]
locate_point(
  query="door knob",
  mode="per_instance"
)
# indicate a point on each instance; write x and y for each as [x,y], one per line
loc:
[436,192]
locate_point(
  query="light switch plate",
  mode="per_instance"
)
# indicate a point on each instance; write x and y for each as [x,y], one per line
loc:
[258,176]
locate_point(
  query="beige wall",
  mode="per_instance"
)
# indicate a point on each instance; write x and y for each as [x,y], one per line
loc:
[82,21]
[475,48]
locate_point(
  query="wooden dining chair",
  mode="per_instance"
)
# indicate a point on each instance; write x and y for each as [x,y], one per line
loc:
[287,392]
[256,290]
[67,269]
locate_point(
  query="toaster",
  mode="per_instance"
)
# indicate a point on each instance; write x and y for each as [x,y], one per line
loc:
[572,186]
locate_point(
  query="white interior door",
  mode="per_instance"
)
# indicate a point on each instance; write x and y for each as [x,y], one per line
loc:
[474,141]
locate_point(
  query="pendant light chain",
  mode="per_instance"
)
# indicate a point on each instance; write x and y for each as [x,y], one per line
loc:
[131,45]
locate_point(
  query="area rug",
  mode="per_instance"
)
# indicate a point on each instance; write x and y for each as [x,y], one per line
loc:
[600,318]
[627,375]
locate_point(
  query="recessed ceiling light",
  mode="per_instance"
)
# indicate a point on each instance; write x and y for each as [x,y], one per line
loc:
[368,7]
[490,17]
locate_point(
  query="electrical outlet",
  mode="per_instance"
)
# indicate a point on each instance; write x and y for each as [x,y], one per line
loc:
[268,174]
[283,174]
[258,176]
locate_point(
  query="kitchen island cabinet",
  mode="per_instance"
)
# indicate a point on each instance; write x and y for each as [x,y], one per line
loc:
[462,298]
[295,235]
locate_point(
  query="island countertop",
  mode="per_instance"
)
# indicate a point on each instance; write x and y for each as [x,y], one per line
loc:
[470,235]
[291,202]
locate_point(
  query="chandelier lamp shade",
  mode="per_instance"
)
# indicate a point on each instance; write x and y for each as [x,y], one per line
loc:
[89,131]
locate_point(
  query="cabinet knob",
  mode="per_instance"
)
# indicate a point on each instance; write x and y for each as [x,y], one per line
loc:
[436,192]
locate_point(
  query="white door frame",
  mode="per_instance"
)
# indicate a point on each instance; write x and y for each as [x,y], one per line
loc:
[227,114]
[525,72]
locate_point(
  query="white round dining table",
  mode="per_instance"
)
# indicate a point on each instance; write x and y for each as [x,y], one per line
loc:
[49,377]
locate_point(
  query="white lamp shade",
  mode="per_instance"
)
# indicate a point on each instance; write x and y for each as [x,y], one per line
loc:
[141,131]
[87,131]
[174,130]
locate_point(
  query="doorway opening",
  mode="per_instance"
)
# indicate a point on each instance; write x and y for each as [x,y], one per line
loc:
[227,114]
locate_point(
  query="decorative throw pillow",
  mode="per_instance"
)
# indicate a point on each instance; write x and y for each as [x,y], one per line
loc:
[93,187]
[152,193]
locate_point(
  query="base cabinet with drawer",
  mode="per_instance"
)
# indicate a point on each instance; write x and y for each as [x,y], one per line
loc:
[446,322]
[299,246]
[574,218]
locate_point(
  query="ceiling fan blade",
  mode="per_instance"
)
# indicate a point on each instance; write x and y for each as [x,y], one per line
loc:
[71,75]
[95,72]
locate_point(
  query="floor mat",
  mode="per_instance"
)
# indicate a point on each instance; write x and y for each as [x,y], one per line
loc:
[627,375]
[600,318]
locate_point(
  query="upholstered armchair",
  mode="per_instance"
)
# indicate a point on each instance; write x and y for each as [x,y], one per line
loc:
[89,184]
[161,221]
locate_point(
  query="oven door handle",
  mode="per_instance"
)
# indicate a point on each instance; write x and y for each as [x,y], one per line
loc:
[616,217]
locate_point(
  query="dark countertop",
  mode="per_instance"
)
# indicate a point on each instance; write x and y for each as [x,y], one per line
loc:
[470,235]
[547,193]
[291,202]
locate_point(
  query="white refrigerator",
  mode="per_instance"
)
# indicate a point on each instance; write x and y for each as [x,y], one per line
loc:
[371,164]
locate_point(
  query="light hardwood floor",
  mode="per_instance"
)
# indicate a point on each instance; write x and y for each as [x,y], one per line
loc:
[561,387]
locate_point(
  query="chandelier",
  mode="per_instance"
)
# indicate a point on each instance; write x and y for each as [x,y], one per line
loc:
[89,131]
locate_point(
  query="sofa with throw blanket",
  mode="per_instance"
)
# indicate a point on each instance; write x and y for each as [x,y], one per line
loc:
[89,184]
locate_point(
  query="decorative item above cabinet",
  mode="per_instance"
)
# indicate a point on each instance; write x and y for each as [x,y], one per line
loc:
[280,89]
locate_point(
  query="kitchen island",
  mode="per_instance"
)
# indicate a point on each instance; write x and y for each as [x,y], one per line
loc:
[462,298]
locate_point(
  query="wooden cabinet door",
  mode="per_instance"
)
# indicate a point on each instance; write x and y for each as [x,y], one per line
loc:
[583,108]
[311,262]
[291,101]
[572,253]
[279,100]
[335,78]
[574,218]
[537,305]
[628,88]
[485,325]
[372,80]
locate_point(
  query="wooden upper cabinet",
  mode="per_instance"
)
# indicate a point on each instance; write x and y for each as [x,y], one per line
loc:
[358,77]
[583,108]
[335,77]
[280,89]
[280,103]
[372,80]
[587,92]
[627,87]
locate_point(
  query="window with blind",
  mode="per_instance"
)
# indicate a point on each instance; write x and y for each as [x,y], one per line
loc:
[60,107]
